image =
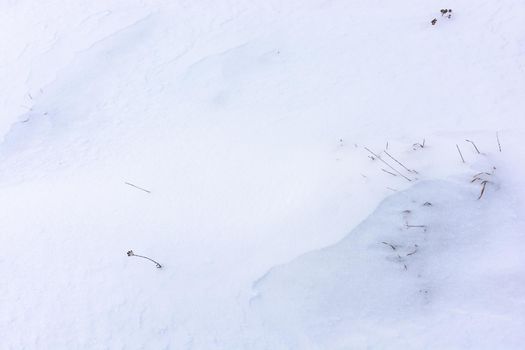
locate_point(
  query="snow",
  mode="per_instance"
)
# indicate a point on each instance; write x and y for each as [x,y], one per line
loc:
[389,283]
[247,122]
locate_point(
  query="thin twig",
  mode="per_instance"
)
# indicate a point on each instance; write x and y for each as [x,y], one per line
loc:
[391,167]
[130,253]
[484,172]
[417,226]
[497,138]
[398,162]
[388,172]
[140,188]
[483,185]
[461,155]
[417,144]
[414,252]
[473,144]
[390,245]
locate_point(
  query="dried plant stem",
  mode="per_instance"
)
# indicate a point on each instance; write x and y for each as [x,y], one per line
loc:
[130,253]
[419,226]
[484,172]
[388,172]
[473,144]
[414,252]
[483,185]
[421,145]
[499,144]
[390,245]
[391,167]
[398,162]
[145,257]
[140,188]
[461,155]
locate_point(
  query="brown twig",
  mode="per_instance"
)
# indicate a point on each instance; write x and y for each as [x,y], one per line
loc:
[473,144]
[140,188]
[130,253]
[483,185]
[417,144]
[415,226]
[398,162]
[483,172]
[461,155]
[388,172]
[478,176]
[390,245]
[414,252]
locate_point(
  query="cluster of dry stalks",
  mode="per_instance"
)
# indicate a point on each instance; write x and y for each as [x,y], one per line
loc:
[482,179]
[395,172]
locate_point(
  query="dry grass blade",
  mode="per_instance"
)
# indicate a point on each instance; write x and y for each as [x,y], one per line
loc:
[461,155]
[484,172]
[417,144]
[473,144]
[390,245]
[391,167]
[483,185]
[388,172]
[414,252]
[415,226]
[137,187]
[398,162]
[479,177]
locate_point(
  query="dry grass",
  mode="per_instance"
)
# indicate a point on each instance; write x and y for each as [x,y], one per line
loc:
[461,155]
[473,144]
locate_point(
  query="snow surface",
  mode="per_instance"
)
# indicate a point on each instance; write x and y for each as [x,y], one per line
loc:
[247,122]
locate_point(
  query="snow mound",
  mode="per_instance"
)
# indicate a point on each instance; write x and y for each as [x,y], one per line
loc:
[425,270]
